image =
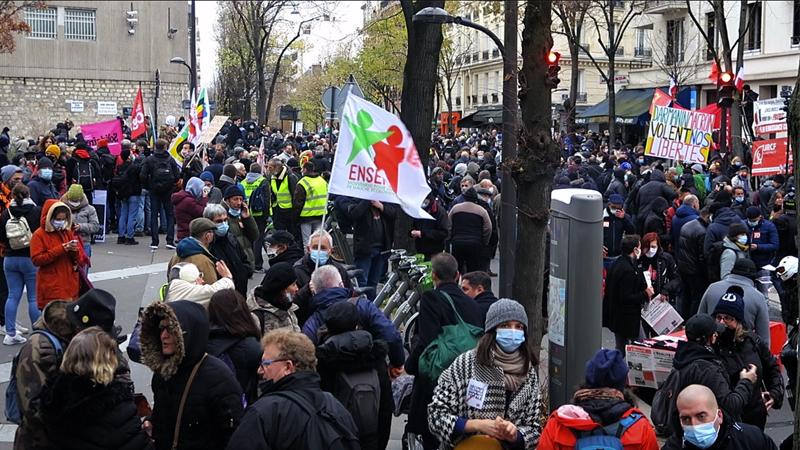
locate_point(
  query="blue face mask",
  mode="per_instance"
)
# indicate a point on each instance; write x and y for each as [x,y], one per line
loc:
[702,436]
[234,212]
[742,240]
[752,223]
[46,174]
[739,199]
[222,229]
[319,256]
[509,339]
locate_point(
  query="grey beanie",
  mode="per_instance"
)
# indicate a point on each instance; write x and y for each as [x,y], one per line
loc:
[504,310]
[8,171]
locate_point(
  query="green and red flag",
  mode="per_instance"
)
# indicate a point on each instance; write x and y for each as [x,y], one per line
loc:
[376,159]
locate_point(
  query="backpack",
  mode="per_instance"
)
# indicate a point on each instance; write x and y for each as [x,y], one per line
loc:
[454,340]
[18,232]
[713,260]
[360,393]
[13,413]
[162,179]
[121,183]
[258,199]
[323,430]
[83,174]
[664,403]
[608,437]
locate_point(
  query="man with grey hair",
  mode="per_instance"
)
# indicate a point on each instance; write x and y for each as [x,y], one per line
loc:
[687,212]
[318,254]
[328,289]
[226,248]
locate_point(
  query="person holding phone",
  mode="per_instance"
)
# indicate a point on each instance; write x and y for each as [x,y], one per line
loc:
[55,251]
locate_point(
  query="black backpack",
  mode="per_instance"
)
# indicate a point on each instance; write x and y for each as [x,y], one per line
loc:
[664,403]
[360,393]
[84,175]
[323,429]
[121,183]
[162,178]
[258,199]
[713,260]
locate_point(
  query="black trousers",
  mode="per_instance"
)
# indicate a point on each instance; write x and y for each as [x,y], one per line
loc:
[694,287]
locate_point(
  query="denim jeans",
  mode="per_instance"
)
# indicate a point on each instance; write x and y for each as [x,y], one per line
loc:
[143,215]
[308,228]
[129,209]
[373,267]
[20,274]
[162,203]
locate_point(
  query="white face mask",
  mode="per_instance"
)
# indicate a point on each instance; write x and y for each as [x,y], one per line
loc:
[651,252]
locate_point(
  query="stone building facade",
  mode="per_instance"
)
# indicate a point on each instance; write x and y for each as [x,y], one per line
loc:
[85,60]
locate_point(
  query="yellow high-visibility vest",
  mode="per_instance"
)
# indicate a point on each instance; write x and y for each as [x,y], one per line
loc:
[283,197]
[316,196]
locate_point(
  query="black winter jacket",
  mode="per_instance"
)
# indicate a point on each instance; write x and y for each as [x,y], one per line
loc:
[149,166]
[434,232]
[244,353]
[227,248]
[32,214]
[82,415]
[732,436]
[719,227]
[666,281]
[366,229]
[614,229]
[275,422]
[213,405]
[625,294]
[691,258]
[649,192]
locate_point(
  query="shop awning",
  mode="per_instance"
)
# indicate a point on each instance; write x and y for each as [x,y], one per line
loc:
[632,107]
[484,116]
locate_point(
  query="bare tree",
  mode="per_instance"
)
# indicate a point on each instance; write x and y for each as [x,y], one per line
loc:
[11,23]
[451,61]
[607,11]
[678,68]
[571,15]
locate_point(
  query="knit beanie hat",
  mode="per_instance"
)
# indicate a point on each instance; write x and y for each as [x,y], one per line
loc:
[8,171]
[731,303]
[233,191]
[504,310]
[54,150]
[607,368]
[207,176]
[341,317]
[75,193]
[277,278]
[45,163]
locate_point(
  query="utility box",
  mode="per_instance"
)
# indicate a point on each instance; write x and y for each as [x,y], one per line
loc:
[575,306]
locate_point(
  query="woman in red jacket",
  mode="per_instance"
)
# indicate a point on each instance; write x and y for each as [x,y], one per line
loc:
[189,204]
[56,251]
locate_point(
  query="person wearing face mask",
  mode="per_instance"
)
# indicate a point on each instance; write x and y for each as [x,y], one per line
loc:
[742,179]
[241,223]
[626,292]
[212,192]
[225,247]
[290,394]
[738,347]
[318,254]
[430,235]
[55,251]
[602,401]
[84,216]
[763,243]
[272,302]
[616,224]
[704,424]
[734,248]
[507,406]
[280,247]
[740,202]
[41,184]
[659,267]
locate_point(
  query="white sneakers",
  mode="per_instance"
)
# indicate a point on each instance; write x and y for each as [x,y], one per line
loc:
[18,326]
[13,340]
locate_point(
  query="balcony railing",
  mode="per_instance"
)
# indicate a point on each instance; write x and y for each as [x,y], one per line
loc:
[485,99]
[642,52]
[664,6]
[581,97]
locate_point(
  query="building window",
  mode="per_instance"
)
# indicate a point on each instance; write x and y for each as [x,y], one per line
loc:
[642,48]
[796,24]
[674,53]
[79,25]
[752,40]
[42,22]
[711,32]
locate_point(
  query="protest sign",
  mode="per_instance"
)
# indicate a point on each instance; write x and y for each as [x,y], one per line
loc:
[213,128]
[769,156]
[679,135]
[99,201]
[110,130]
[769,116]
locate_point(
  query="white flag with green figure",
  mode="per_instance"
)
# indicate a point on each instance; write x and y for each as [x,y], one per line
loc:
[376,159]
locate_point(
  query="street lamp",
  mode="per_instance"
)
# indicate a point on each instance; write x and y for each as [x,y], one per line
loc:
[508,212]
[179,60]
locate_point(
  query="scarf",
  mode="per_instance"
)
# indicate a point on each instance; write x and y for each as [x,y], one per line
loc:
[513,366]
[582,395]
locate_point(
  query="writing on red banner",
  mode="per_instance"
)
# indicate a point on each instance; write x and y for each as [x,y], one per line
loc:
[769,156]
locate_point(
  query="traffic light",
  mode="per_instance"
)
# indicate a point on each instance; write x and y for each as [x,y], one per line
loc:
[726,89]
[552,69]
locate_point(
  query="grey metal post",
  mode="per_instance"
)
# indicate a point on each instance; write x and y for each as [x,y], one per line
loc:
[574,301]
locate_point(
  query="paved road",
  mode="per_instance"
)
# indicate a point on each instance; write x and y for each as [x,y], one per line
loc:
[135,273]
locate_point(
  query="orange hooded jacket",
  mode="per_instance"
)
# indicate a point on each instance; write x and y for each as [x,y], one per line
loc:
[558,433]
[57,278]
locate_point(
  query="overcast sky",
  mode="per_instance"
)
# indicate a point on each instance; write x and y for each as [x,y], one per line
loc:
[325,37]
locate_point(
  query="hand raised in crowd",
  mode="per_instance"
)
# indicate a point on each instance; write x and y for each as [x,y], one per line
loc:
[749,373]
[223,270]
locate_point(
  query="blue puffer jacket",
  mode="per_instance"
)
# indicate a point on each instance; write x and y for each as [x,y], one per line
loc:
[683,215]
[370,318]
[765,236]
[719,227]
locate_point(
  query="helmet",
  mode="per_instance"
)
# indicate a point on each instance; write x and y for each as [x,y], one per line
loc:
[787,268]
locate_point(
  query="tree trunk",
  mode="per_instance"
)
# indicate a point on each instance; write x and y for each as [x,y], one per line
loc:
[612,101]
[572,108]
[736,111]
[534,168]
[261,95]
[419,89]
[793,120]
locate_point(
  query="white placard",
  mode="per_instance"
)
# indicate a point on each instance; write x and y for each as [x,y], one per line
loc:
[75,106]
[106,108]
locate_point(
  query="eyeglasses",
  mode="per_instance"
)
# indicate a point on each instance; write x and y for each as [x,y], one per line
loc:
[725,318]
[267,362]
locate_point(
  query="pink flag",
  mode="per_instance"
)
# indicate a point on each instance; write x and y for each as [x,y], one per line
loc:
[110,130]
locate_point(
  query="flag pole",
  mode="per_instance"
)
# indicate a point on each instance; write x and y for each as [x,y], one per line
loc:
[322,225]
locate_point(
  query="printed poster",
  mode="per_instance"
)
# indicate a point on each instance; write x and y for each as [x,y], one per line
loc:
[661,316]
[110,130]
[769,116]
[769,156]
[679,135]
[556,303]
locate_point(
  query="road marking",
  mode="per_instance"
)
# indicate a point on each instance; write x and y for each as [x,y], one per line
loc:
[5,372]
[129,272]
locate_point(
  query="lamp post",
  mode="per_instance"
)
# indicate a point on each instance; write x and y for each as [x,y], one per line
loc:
[508,213]
[179,60]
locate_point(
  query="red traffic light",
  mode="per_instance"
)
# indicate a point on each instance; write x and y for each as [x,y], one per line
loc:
[725,77]
[553,57]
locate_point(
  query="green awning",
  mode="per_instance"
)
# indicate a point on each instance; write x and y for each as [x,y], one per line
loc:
[484,116]
[631,106]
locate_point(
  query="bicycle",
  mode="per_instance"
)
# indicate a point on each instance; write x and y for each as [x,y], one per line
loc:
[408,273]
[396,259]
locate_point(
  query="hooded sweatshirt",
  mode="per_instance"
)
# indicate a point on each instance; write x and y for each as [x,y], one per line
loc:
[192,251]
[57,278]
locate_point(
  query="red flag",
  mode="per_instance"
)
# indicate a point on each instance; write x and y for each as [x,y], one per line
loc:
[739,81]
[714,72]
[660,98]
[673,88]
[138,125]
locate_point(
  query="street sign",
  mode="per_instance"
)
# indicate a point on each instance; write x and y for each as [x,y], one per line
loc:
[350,87]
[186,104]
[329,97]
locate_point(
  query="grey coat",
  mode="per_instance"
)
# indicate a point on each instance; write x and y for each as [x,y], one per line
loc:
[756,313]
[86,216]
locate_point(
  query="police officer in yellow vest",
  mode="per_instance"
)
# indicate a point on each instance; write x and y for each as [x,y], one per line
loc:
[310,200]
[257,192]
[283,183]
